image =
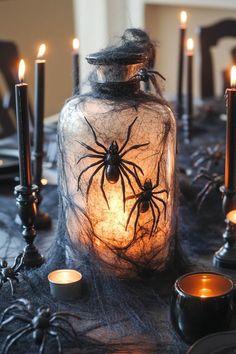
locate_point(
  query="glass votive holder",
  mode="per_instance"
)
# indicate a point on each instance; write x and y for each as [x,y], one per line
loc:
[65,284]
[202,303]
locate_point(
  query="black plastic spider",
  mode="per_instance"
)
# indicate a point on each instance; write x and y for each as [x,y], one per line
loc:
[41,323]
[145,74]
[208,157]
[148,198]
[214,181]
[9,274]
[111,161]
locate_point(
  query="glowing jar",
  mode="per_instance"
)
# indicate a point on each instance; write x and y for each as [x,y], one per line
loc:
[117,149]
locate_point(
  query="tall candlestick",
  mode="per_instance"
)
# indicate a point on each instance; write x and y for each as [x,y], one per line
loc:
[183,22]
[75,64]
[226,255]
[39,115]
[230,155]
[23,128]
[26,193]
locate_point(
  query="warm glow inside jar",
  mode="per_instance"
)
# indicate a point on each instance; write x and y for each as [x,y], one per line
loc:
[122,212]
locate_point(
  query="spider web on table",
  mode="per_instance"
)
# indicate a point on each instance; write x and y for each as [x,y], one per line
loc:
[145,303]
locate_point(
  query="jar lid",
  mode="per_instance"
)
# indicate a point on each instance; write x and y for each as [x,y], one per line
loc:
[118,55]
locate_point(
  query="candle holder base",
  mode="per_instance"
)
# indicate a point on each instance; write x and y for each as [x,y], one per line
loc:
[225,257]
[26,201]
[31,257]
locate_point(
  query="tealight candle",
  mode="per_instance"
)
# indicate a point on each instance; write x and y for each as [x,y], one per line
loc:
[202,303]
[65,284]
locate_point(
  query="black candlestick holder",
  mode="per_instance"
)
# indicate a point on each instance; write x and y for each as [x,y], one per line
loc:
[225,257]
[187,128]
[42,220]
[26,201]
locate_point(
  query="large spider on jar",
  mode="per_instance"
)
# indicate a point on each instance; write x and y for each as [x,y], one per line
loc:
[40,323]
[145,75]
[9,274]
[111,161]
[213,181]
[148,199]
[208,157]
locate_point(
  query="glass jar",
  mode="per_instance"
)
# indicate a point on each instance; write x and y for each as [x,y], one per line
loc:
[117,152]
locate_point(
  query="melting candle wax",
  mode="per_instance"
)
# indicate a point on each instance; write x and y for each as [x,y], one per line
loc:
[205,285]
[64,276]
[204,292]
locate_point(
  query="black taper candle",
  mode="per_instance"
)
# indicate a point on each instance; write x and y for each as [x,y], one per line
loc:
[76,88]
[23,134]
[187,118]
[230,154]
[183,19]
[190,85]
[180,73]
[39,116]
[43,221]
[75,67]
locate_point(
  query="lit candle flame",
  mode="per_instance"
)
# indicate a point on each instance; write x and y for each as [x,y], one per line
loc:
[42,50]
[190,45]
[75,44]
[21,71]
[233,76]
[183,19]
[44,181]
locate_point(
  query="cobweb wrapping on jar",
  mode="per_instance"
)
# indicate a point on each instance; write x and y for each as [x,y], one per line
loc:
[120,97]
